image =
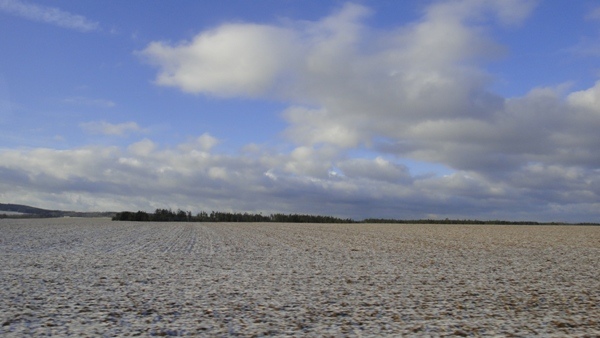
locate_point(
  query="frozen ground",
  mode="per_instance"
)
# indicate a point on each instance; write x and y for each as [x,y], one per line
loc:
[96,277]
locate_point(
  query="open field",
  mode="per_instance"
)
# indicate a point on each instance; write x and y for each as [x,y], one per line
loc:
[97,277]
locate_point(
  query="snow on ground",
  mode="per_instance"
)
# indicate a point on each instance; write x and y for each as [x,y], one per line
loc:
[72,277]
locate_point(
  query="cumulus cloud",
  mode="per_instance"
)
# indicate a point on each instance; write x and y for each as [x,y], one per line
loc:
[588,99]
[50,15]
[233,59]
[313,127]
[203,143]
[105,128]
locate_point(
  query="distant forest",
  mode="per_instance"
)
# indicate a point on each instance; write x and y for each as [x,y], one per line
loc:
[167,215]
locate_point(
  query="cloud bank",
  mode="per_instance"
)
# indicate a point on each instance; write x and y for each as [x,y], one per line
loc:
[418,92]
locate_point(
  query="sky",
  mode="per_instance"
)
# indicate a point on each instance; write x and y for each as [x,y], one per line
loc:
[463,109]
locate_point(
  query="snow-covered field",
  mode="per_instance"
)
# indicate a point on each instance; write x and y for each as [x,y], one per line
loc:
[96,277]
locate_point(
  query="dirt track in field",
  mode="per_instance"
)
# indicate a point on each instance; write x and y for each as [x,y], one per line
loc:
[96,277]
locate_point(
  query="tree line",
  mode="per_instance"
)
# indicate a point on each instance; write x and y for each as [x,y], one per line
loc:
[168,215]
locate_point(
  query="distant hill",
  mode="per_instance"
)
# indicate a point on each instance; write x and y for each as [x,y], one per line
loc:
[28,211]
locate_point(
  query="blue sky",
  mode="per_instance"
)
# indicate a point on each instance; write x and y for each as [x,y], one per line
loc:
[399,109]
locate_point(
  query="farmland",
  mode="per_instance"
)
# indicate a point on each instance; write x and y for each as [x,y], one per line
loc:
[77,276]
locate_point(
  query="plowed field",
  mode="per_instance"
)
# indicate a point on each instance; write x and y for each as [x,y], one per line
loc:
[94,277]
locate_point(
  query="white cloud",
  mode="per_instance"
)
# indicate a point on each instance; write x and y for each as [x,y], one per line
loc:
[203,143]
[233,59]
[105,128]
[313,126]
[311,162]
[589,98]
[142,148]
[50,15]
